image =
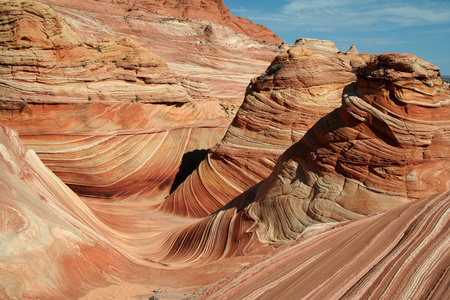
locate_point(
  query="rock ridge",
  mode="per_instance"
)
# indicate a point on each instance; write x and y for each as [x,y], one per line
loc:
[70,99]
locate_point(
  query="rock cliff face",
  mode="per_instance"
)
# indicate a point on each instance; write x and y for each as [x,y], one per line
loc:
[54,246]
[47,249]
[102,115]
[387,255]
[217,12]
[300,86]
[215,48]
[383,148]
[336,164]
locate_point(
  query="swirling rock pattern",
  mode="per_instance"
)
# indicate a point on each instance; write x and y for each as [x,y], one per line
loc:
[54,246]
[102,115]
[105,116]
[47,251]
[217,12]
[402,253]
[300,86]
[385,146]
[219,54]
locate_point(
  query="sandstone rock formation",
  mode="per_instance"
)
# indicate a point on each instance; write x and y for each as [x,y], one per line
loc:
[384,147]
[47,249]
[225,63]
[356,207]
[55,247]
[402,253]
[214,11]
[102,115]
[300,86]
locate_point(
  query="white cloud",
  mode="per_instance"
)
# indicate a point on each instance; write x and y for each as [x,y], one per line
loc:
[411,15]
[301,5]
[326,15]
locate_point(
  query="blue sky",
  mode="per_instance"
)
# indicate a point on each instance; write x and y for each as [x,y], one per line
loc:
[421,27]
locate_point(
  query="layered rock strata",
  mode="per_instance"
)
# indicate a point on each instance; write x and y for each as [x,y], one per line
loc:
[383,148]
[215,11]
[402,253]
[300,86]
[55,247]
[49,248]
[214,48]
[102,115]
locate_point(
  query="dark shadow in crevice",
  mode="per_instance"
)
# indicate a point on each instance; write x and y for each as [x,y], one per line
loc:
[189,162]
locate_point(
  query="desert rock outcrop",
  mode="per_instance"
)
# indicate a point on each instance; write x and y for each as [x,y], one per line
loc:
[54,246]
[402,253]
[225,63]
[217,12]
[300,86]
[332,181]
[102,115]
[48,249]
[385,146]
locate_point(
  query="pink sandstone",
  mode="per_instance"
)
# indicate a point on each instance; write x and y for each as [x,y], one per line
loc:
[301,85]
[72,100]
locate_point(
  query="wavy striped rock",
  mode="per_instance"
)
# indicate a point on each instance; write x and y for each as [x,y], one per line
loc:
[301,85]
[54,246]
[400,254]
[104,116]
[201,40]
[48,250]
[215,11]
[383,148]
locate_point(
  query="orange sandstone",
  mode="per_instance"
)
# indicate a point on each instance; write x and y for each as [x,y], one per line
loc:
[102,115]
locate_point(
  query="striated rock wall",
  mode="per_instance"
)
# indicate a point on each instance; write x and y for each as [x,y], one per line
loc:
[301,85]
[49,246]
[385,146]
[54,246]
[215,11]
[402,253]
[374,153]
[102,115]
[217,54]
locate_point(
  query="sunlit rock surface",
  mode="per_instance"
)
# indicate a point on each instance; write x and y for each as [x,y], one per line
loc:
[400,254]
[201,40]
[54,246]
[383,148]
[104,116]
[214,11]
[115,123]
[300,86]
[48,249]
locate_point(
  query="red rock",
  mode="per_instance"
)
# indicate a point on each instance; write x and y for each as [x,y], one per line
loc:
[364,164]
[72,101]
[298,88]
[225,63]
[49,248]
[385,146]
[363,158]
[54,246]
[402,253]
[214,11]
